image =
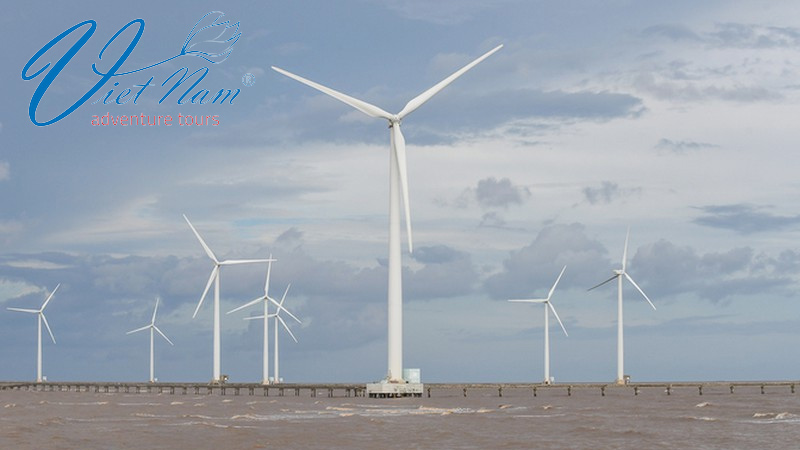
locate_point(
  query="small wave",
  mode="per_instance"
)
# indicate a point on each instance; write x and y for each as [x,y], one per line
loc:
[176,403]
[776,416]
[338,408]
[139,404]
[10,405]
[702,405]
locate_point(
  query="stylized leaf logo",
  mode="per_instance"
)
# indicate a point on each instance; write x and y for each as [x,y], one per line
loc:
[211,38]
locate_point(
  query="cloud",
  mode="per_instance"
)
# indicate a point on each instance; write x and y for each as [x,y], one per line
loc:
[4,170]
[491,193]
[607,192]
[535,266]
[492,219]
[672,32]
[730,35]
[682,147]
[743,218]
[739,35]
[664,86]
[441,12]
[665,269]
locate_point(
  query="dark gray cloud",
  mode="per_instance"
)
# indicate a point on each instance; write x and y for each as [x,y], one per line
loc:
[491,193]
[743,218]
[494,193]
[101,296]
[682,147]
[533,268]
[664,269]
[607,192]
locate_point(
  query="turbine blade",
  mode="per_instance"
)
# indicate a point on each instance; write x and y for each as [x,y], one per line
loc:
[269,269]
[248,304]
[281,307]
[202,242]
[399,150]
[640,290]
[552,308]
[625,251]
[47,325]
[604,282]
[550,294]
[530,300]
[366,108]
[254,317]
[152,322]
[242,261]
[32,311]
[214,273]
[44,305]
[287,328]
[417,101]
[162,335]
[139,329]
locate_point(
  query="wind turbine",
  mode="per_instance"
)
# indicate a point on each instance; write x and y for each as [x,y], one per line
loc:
[266,299]
[278,320]
[619,274]
[214,278]
[398,182]
[41,318]
[547,306]
[152,327]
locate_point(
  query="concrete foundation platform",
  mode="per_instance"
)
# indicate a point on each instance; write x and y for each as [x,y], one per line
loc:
[394,390]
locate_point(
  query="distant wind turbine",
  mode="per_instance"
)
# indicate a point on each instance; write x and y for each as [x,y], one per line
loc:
[548,306]
[214,278]
[619,275]
[41,318]
[278,319]
[398,182]
[266,299]
[153,328]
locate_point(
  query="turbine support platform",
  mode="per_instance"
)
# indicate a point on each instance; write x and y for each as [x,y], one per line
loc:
[384,389]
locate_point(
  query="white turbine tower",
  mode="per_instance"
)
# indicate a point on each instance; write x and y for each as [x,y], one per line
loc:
[548,306]
[41,318]
[266,299]
[153,328]
[619,275]
[398,190]
[214,278]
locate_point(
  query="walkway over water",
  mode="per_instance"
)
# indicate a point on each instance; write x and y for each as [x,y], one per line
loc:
[431,389]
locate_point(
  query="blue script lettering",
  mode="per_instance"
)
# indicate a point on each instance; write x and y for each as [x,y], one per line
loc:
[62,62]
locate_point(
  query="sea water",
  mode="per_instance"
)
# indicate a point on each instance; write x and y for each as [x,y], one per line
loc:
[447,420]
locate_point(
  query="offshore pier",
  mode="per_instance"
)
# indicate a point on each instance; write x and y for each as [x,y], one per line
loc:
[431,389]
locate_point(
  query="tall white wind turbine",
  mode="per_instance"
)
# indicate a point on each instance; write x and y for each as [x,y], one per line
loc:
[214,278]
[398,190]
[153,328]
[266,299]
[548,306]
[40,318]
[619,274]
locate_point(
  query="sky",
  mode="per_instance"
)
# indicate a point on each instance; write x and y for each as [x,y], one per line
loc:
[675,120]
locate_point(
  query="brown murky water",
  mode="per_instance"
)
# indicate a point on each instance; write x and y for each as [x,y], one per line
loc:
[552,420]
